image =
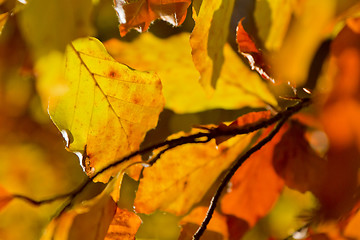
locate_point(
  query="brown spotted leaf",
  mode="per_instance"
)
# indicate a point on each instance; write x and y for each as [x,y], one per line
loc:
[108,107]
[139,14]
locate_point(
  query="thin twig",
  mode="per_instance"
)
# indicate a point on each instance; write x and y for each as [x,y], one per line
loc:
[235,166]
[200,137]
[224,182]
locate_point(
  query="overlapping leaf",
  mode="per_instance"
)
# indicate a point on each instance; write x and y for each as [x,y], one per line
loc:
[249,50]
[139,14]
[89,219]
[339,192]
[296,162]
[255,187]
[108,108]
[171,59]
[123,226]
[312,23]
[196,167]
[208,39]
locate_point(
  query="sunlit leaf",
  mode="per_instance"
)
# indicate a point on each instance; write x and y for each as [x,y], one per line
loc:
[296,162]
[249,50]
[196,168]
[108,108]
[196,216]
[208,39]
[123,226]
[139,14]
[171,59]
[352,228]
[3,19]
[272,19]
[304,36]
[255,187]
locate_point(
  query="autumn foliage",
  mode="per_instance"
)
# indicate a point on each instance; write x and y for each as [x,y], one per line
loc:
[241,123]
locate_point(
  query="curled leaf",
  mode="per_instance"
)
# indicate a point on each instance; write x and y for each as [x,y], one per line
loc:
[139,14]
[249,50]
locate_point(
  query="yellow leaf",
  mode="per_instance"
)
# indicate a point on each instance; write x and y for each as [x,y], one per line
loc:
[181,177]
[87,219]
[65,21]
[3,19]
[108,108]
[273,19]
[171,58]
[208,39]
[312,24]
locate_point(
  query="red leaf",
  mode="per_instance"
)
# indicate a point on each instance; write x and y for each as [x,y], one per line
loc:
[248,49]
[255,186]
[139,14]
[296,162]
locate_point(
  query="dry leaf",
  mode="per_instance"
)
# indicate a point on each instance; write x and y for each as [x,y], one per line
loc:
[139,14]
[255,187]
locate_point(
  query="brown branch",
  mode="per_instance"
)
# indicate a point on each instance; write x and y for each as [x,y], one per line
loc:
[200,137]
[224,182]
[282,117]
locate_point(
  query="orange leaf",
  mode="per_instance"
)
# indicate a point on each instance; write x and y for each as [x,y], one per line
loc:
[244,121]
[255,186]
[339,116]
[123,226]
[5,197]
[296,162]
[249,50]
[140,14]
